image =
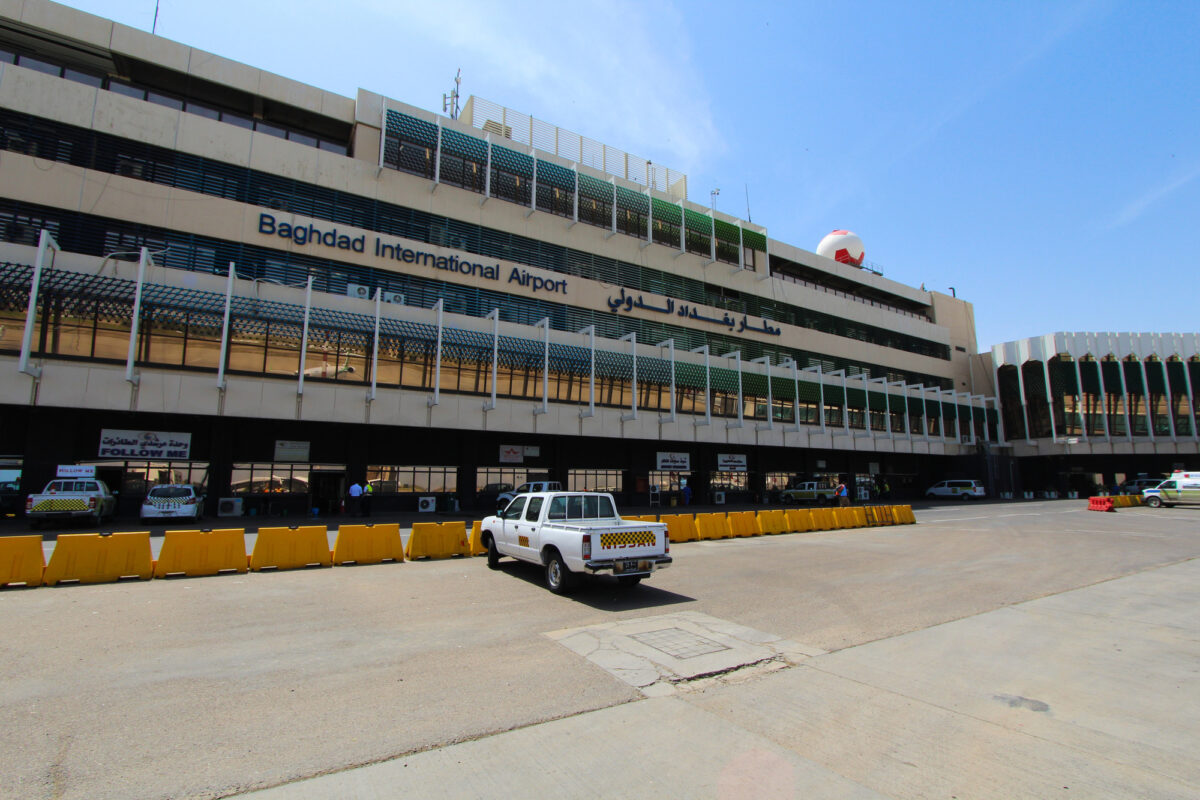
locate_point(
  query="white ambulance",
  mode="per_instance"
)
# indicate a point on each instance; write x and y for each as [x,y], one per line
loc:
[1181,488]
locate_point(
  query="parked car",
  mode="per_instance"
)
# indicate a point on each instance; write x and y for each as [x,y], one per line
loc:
[962,489]
[172,501]
[1138,485]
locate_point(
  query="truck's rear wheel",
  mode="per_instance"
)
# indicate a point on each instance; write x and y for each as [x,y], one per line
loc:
[493,555]
[558,578]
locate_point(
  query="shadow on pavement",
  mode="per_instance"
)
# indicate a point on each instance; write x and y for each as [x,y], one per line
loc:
[601,592]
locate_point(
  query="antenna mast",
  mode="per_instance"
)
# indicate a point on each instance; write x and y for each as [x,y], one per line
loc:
[450,101]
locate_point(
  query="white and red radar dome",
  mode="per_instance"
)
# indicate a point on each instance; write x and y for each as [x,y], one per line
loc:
[843,246]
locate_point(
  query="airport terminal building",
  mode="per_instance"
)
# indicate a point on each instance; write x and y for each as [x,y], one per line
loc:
[213,274]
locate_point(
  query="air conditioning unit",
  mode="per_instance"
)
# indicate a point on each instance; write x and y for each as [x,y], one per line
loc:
[427,504]
[719,498]
[393,297]
[229,507]
[355,290]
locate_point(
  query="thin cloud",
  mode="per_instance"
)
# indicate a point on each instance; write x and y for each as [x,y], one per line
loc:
[616,71]
[1138,207]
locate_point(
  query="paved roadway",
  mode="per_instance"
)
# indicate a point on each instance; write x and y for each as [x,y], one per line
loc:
[993,650]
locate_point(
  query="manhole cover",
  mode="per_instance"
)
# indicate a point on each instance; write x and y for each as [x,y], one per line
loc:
[678,643]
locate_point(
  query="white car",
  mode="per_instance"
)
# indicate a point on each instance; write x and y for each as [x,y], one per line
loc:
[963,490]
[172,501]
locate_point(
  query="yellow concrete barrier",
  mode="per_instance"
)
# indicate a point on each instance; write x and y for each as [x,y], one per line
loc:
[368,544]
[22,560]
[822,519]
[743,523]
[799,520]
[681,527]
[904,515]
[713,526]
[195,553]
[438,540]
[771,522]
[290,548]
[92,558]
[880,515]
[477,548]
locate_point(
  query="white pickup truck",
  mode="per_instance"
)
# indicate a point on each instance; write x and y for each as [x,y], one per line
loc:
[71,498]
[572,534]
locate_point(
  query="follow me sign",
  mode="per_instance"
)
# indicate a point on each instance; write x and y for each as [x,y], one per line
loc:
[303,235]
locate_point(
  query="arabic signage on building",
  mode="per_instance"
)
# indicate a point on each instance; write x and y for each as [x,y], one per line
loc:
[512,454]
[675,462]
[731,462]
[624,302]
[145,444]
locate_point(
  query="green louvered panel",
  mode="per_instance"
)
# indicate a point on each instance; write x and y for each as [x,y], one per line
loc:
[811,393]
[1133,377]
[614,365]
[1154,373]
[700,223]
[550,174]
[1090,370]
[727,231]
[595,189]
[460,144]
[632,201]
[724,380]
[512,162]
[754,385]
[878,401]
[666,212]
[567,358]
[782,388]
[856,398]
[654,370]
[1178,381]
[932,409]
[754,240]
[689,375]
[1062,377]
[1112,376]
[412,128]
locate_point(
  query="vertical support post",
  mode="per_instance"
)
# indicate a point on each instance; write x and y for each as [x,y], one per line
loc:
[770,426]
[575,208]
[1050,400]
[682,228]
[383,125]
[1024,398]
[670,345]
[821,389]
[45,242]
[225,327]
[590,330]
[707,388]
[437,156]
[1103,398]
[487,175]
[649,217]
[1083,425]
[1125,401]
[494,316]
[304,336]
[1187,377]
[791,362]
[1167,396]
[741,249]
[544,408]
[632,339]
[375,345]
[736,355]
[134,325]
[1146,397]
[533,193]
[440,307]
[613,181]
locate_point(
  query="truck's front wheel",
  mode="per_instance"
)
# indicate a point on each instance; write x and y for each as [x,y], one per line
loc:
[558,578]
[493,554]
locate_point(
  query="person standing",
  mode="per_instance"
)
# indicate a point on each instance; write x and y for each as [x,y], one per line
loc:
[367,495]
[354,506]
[843,494]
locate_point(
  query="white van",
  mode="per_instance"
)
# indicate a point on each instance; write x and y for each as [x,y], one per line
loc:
[962,489]
[1181,488]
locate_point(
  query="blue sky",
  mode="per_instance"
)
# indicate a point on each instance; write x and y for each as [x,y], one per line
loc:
[1042,158]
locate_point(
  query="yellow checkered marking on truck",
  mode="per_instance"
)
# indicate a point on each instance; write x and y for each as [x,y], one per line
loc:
[628,539]
[62,504]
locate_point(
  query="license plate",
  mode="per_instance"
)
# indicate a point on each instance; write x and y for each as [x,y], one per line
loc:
[632,565]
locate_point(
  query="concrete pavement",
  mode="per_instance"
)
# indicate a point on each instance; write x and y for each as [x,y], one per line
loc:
[1090,693]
